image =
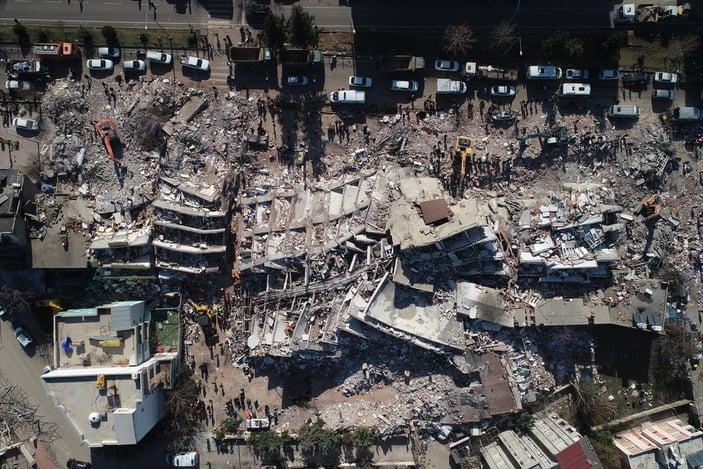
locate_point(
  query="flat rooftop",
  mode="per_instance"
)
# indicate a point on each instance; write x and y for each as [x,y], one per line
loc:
[94,341]
[415,312]
[80,398]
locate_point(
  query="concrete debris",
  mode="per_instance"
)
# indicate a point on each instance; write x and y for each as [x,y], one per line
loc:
[300,233]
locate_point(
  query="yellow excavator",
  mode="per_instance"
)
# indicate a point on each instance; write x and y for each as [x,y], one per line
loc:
[462,151]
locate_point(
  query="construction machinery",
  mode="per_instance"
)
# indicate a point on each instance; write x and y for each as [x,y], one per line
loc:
[108,134]
[558,135]
[462,151]
[650,208]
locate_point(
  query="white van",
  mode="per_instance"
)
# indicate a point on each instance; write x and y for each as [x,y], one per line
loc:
[21,123]
[158,57]
[573,90]
[543,72]
[348,97]
[624,111]
[687,114]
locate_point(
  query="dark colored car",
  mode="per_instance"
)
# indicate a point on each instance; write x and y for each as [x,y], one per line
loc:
[258,11]
[76,464]
[635,81]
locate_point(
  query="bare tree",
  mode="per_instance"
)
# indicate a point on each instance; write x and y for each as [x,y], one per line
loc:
[458,40]
[503,35]
[681,46]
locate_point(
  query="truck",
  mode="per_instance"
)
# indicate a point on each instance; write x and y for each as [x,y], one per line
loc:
[27,70]
[56,50]
[447,86]
[402,63]
[250,54]
[648,13]
[300,56]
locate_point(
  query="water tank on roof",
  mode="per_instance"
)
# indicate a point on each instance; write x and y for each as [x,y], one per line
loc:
[94,418]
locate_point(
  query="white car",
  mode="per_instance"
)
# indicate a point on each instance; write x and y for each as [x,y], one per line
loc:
[195,63]
[100,64]
[665,77]
[21,123]
[134,65]
[609,74]
[18,85]
[159,57]
[404,85]
[446,65]
[360,82]
[503,90]
[189,459]
[22,337]
[576,74]
[297,80]
[108,53]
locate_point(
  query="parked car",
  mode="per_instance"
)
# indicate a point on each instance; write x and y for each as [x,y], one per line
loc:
[76,464]
[258,11]
[543,72]
[663,94]
[108,53]
[505,115]
[21,123]
[576,74]
[3,311]
[18,85]
[159,57]
[635,81]
[503,90]
[134,66]
[609,74]
[296,80]
[624,111]
[100,64]
[404,85]
[189,459]
[665,77]
[360,82]
[22,337]
[196,63]
[446,65]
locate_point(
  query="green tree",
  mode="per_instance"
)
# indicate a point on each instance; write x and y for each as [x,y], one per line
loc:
[316,441]
[21,32]
[274,32]
[231,425]
[85,36]
[458,40]
[525,421]
[301,28]
[109,33]
[266,442]
[363,437]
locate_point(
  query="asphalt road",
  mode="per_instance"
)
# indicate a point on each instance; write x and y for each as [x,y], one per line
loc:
[23,368]
[101,12]
[335,15]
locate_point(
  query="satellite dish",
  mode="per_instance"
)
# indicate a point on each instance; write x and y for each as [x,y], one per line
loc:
[94,418]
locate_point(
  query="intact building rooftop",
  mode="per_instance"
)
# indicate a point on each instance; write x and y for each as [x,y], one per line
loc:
[105,377]
[656,445]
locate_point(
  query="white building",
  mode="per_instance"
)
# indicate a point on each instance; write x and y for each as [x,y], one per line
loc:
[105,376]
